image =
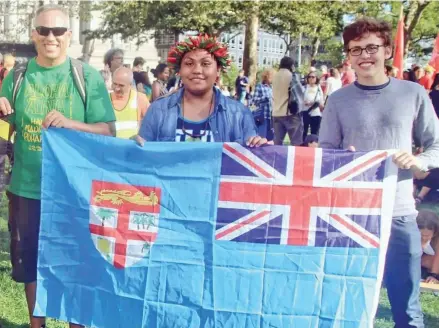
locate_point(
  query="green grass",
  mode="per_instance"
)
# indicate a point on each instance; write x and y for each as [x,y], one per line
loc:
[13,313]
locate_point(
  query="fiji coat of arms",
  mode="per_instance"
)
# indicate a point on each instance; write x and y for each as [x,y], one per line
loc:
[123,221]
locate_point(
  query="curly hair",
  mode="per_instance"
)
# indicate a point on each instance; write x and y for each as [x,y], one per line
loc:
[108,57]
[364,26]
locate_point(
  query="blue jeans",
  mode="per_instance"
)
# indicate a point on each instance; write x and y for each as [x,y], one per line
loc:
[242,96]
[264,129]
[402,273]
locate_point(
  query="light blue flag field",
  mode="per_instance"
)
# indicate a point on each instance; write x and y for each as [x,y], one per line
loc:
[192,235]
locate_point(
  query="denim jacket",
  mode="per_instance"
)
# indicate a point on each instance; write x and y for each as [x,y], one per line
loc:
[231,121]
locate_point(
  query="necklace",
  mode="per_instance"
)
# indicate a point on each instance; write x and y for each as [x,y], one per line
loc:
[192,135]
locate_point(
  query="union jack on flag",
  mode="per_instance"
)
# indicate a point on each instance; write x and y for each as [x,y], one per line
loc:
[302,196]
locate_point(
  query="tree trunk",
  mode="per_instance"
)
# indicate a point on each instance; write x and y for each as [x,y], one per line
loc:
[411,20]
[87,49]
[87,43]
[315,43]
[6,21]
[250,60]
[315,48]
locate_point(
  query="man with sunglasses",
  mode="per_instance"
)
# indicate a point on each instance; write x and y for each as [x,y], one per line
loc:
[47,97]
[378,112]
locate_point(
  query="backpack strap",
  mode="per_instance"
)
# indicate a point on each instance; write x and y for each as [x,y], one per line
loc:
[78,78]
[19,73]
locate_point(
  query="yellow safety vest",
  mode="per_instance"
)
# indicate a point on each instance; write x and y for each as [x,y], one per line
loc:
[4,130]
[127,124]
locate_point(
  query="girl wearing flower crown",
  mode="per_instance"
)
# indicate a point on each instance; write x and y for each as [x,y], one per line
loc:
[198,111]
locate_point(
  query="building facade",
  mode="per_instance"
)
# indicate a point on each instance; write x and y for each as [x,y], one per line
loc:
[16,26]
[271,48]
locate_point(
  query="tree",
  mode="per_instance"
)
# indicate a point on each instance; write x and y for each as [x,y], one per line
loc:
[132,19]
[413,11]
[250,63]
[84,12]
[333,52]
[148,220]
[146,247]
[316,21]
[421,24]
[104,214]
[420,19]
[143,219]
[230,76]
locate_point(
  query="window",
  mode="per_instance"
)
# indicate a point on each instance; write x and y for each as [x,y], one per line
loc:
[265,45]
[240,61]
[240,42]
[264,61]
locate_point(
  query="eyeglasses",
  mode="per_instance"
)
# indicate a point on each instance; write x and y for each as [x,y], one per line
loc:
[370,49]
[56,31]
[311,77]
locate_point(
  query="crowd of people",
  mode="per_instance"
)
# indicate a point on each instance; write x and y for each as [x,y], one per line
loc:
[358,106]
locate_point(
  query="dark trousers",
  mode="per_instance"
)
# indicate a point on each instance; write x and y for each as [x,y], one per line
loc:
[24,228]
[288,124]
[310,121]
[402,273]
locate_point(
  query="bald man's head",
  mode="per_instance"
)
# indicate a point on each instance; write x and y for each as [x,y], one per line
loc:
[123,73]
[122,81]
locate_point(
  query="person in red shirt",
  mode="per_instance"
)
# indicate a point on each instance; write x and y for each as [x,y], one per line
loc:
[323,77]
[427,80]
[348,75]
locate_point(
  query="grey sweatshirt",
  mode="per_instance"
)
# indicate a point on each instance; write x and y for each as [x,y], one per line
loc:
[390,116]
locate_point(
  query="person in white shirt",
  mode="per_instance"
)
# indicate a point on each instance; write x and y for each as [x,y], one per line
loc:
[333,83]
[312,105]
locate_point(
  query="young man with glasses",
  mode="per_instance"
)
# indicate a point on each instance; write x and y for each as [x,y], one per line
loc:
[47,97]
[379,112]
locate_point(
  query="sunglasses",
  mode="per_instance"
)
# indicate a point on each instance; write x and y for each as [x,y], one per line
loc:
[56,31]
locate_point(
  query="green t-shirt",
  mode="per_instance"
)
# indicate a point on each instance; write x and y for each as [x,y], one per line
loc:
[43,90]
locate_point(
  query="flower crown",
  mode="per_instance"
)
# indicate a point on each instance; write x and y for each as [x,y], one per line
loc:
[206,42]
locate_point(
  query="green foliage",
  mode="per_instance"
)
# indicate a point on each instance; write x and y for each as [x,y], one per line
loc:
[426,29]
[230,76]
[132,19]
[333,52]
[303,69]
[421,24]
[317,21]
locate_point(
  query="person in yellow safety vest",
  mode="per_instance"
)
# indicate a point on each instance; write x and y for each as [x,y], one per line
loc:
[129,105]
